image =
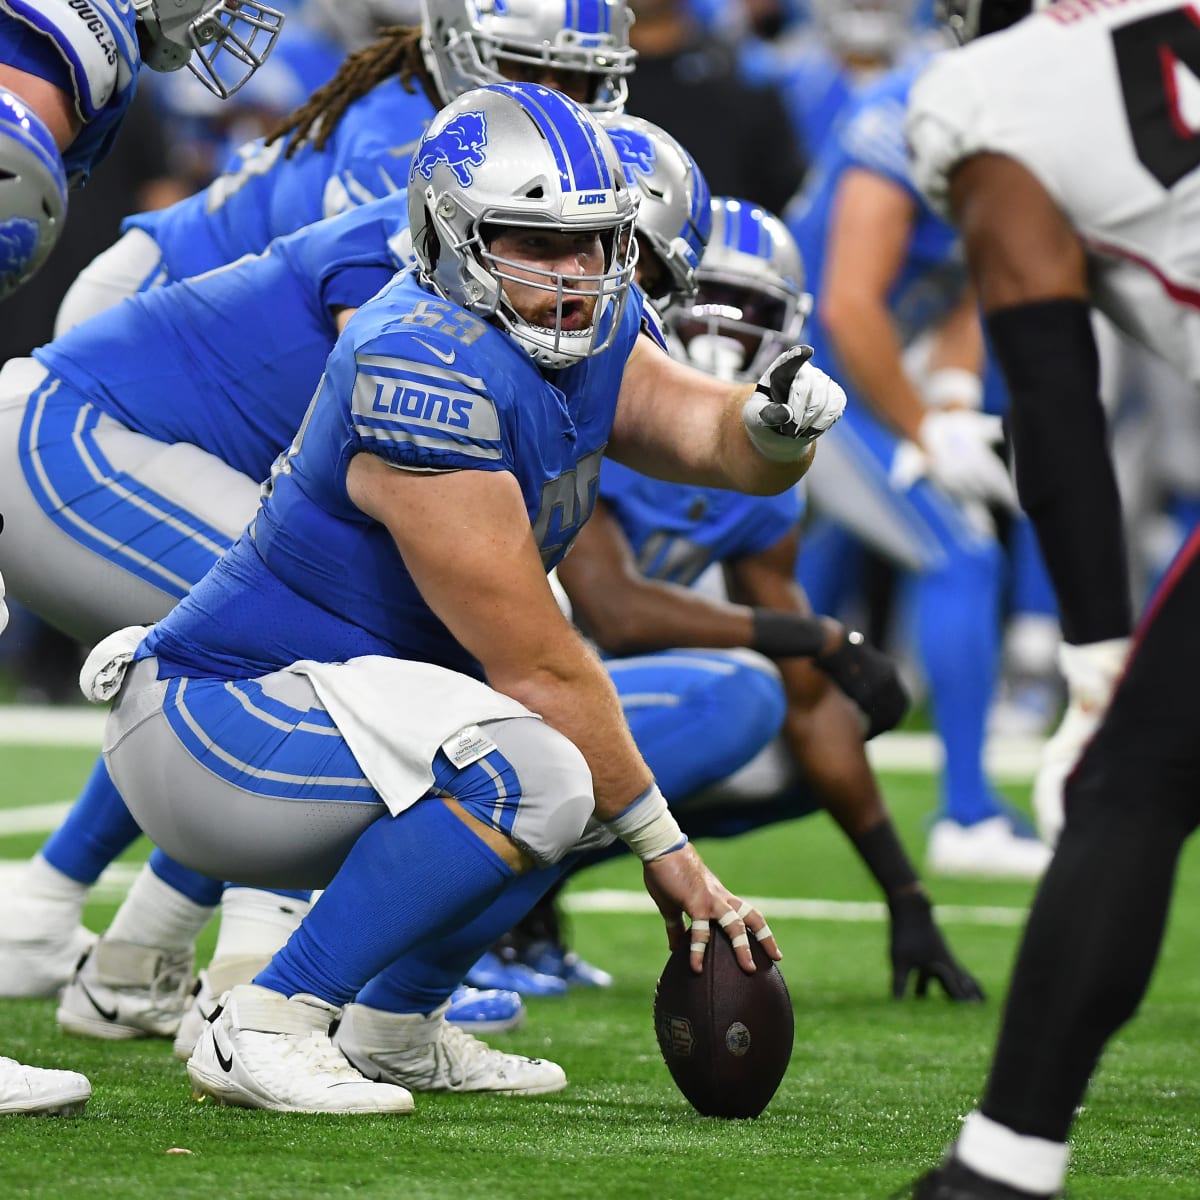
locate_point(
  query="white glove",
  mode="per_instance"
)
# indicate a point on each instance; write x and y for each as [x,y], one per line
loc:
[3,607]
[1091,672]
[958,446]
[793,404]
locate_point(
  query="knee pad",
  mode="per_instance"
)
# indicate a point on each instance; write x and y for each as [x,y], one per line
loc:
[541,797]
[33,193]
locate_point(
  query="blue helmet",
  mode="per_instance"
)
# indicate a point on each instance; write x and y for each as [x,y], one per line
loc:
[522,155]
[750,303]
[675,215]
[33,193]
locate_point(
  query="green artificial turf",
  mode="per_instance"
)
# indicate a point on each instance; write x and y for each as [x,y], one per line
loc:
[874,1090]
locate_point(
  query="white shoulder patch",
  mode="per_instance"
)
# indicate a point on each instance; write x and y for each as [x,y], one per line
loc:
[96,38]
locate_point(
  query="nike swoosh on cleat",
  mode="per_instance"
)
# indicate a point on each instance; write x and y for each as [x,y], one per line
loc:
[104,1012]
[226,1063]
[447,358]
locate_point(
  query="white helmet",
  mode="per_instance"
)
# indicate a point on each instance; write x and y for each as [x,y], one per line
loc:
[467,42]
[527,156]
[874,29]
[750,302]
[675,216]
[222,42]
[33,193]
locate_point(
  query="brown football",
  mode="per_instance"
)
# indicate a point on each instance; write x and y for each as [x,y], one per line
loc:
[725,1036]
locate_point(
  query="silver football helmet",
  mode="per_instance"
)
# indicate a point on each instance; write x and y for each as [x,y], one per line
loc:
[33,193]
[222,42]
[870,29]
[471,43]
[675,215]
[525,156]
[967,19]
[750,302]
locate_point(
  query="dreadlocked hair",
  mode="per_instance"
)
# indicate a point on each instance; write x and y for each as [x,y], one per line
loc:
[396,51]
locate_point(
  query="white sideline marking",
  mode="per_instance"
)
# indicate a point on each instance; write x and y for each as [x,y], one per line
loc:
[33,818]
[118,879]
[1007,758]
[611,900]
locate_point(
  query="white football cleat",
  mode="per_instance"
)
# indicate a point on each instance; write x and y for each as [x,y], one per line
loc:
[122,990]
[263,1050]
[990,849]
[41,1092]
[428,1054]
[1091,672]
[212,982]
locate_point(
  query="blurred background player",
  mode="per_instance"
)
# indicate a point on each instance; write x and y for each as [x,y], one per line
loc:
[67,84]
[1003,134]
[913,468]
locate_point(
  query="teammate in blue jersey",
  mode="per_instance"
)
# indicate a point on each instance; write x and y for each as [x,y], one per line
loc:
[396,563]
[352,141]
[910,473]
[67,77]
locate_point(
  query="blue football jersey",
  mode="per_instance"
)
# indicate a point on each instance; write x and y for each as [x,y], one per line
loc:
[229,361]
[871,138]
[423,384]
[91,56]
[262,195]
[677,532]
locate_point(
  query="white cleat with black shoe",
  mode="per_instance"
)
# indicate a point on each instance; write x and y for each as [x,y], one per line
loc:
[264,1050]
[212,982]
[991,849]
[39,1091]
[428,1054]
[122,990]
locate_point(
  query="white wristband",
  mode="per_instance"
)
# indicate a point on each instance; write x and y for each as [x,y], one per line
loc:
[647,827]
[954,386]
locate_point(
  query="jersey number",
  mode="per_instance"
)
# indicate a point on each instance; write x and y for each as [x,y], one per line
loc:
[566,502]
[1151,56]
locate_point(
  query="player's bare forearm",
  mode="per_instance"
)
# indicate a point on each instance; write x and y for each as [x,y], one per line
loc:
[676,423]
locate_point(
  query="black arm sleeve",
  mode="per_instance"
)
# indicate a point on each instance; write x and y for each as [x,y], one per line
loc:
[1065,478]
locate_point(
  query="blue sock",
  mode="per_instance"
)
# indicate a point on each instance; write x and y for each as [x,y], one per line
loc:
[958,636]
[420,980]
[97,829]
[408,879]
[196,887]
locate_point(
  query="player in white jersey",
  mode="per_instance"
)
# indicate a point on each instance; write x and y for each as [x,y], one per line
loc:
[1064,148]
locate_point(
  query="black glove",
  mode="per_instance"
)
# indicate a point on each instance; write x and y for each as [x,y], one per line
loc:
[918,946]
[869,678]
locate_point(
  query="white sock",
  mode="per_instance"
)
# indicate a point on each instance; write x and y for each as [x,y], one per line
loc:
[1033,1164]
[155,914]
[255,924]
[57,899]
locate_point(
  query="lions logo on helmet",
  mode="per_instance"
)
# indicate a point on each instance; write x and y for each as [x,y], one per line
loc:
[636,150]
[459,145]
[33,193]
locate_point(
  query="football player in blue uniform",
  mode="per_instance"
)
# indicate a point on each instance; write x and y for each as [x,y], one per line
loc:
[352,141]
[396,563]
[67,77]
[912,474]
